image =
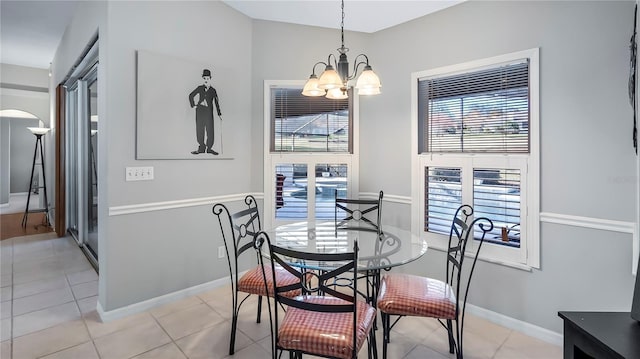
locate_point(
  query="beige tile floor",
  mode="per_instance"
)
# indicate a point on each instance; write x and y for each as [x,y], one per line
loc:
[49,293]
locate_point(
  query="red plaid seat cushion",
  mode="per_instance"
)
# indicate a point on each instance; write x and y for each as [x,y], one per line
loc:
[405,294]
[326,334]
[252,281]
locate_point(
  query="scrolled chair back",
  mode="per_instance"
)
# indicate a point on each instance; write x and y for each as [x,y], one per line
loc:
[318,295]
[238,230]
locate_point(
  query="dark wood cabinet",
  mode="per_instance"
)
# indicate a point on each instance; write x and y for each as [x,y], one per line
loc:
[600,335]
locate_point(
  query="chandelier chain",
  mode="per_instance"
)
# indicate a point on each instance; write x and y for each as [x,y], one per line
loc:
[342,24]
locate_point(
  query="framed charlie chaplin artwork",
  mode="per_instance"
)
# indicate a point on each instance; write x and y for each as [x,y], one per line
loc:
[180,108]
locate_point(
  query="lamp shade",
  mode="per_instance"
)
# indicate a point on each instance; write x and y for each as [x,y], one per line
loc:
[368,80]
[337,94]
[329,79]
[369,91]
[311,87]
[38,130]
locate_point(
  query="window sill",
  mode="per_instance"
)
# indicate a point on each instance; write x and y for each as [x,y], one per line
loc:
[519,266]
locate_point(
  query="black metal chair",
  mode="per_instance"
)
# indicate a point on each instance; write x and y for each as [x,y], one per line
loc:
[356,212]
[361,215]
[238,231]
[409,295]
[334,324]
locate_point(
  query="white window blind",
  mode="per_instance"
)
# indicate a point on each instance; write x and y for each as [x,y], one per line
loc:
[309,124]
[496,195]
[443,197]
[479,111]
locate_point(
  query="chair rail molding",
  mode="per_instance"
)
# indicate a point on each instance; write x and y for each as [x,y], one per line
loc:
[181,203]
[194,202]
[387,197]
[601,224]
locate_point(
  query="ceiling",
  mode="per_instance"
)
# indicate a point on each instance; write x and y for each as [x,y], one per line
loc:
[30,31]
[360,15]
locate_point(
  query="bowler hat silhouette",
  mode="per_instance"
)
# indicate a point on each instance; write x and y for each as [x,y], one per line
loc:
[206,72]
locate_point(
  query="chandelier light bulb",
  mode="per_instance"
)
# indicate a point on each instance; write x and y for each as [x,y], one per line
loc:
[369,91]
[337,94]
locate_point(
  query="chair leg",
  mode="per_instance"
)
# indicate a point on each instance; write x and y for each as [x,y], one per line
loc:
[385,333]
[458,341]
[452,341]
[259,308]
[234,324]
[374,344]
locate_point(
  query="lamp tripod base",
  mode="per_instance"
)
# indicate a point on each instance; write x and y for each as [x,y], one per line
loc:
[45,220]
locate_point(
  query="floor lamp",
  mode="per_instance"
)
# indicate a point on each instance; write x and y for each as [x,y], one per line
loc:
[38,132]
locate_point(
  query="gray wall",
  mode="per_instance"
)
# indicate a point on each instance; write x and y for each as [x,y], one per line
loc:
[146,255]
[288,52]
[586,122]
[21,153]
[24,89]
[587,159]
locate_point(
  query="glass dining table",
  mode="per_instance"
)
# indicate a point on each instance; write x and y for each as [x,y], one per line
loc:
[393,247]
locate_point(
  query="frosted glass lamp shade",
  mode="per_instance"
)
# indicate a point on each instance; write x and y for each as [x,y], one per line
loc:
[329,79]
[369,91]
[38,130]
[311,87]
[368,79]
[337,94]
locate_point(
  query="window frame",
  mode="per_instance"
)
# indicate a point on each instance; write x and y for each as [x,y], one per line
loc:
[528,255]
[311,159]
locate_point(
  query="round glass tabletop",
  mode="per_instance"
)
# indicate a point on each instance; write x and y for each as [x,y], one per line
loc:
[395,246]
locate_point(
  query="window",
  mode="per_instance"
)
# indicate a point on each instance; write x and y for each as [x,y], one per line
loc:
[308,124]
[476,142]
[308,145]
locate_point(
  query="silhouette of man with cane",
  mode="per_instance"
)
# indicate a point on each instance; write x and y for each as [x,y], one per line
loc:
[202,99]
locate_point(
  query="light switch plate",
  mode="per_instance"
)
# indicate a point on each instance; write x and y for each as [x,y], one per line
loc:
[139,173]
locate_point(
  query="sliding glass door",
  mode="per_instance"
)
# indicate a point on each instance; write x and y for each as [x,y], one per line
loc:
[82,156]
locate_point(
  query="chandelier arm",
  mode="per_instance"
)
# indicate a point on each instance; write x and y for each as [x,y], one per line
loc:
[365,57]
[356,65]
[335,61]
[313,71]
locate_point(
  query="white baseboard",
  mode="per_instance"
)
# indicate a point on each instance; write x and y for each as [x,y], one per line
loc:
[500,319]
[518,325]
[140,307]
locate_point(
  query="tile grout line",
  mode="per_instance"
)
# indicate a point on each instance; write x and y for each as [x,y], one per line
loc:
[84,322]
[169,336]
[503,343]
[230,321]
[79,311]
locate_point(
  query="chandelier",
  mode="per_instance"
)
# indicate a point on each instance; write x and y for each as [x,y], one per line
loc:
[333,83]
